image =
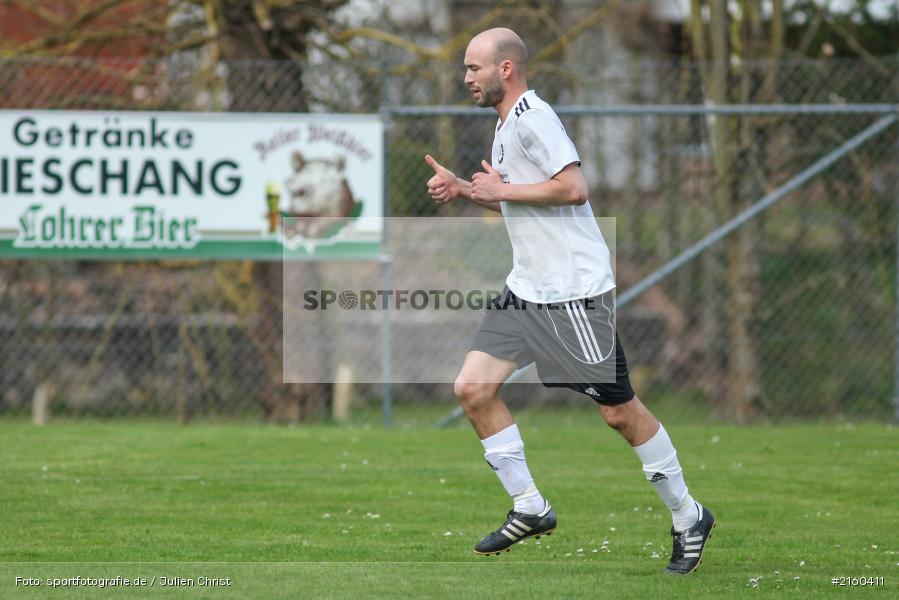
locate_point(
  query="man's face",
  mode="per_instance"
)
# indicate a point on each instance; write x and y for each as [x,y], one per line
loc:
[482,77]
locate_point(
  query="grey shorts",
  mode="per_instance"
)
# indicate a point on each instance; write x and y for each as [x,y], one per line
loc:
[574,343]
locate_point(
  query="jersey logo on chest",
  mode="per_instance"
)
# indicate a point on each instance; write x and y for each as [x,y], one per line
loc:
[501,154]
[521,107]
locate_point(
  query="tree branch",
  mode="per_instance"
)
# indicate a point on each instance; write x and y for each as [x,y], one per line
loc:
[48,16]
[565,40]
[858,48]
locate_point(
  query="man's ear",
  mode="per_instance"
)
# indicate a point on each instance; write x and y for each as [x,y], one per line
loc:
[506,68]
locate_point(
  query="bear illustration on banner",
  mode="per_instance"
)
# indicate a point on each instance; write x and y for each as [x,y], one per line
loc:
[316,203]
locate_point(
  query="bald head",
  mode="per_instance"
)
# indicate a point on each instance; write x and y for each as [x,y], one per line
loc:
[502,44]
[495,64]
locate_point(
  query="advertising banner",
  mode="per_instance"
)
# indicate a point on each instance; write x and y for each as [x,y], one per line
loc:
[134,185]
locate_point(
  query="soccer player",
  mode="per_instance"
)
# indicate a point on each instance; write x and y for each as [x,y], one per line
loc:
[557,307]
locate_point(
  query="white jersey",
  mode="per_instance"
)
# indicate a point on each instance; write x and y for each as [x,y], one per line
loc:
[558,252]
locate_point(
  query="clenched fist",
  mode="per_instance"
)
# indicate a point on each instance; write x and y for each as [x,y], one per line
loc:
[487,186]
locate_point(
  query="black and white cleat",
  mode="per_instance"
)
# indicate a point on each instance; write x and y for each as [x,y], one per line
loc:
[518,526]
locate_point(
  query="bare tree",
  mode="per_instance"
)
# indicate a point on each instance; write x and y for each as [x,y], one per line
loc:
[738,147]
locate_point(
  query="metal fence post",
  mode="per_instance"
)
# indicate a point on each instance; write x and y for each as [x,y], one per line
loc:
[386,359]
[386,362]
[896,323]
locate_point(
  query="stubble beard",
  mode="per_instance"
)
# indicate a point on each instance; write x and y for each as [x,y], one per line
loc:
[492,93]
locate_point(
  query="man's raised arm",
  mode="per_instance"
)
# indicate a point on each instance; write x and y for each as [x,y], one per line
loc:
[567,187]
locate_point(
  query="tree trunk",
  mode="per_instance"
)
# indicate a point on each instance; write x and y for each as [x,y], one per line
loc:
[264,76]
[735,144]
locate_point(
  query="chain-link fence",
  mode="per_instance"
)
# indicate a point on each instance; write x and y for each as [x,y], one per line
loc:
[790,316]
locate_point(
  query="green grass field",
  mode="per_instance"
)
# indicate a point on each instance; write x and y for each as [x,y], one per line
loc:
[329,512]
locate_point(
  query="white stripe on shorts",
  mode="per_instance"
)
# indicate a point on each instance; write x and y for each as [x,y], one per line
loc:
[596,347]
[575,320]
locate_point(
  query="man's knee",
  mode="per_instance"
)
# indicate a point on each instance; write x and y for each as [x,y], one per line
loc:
[614,418]
[619,416]
[473,395]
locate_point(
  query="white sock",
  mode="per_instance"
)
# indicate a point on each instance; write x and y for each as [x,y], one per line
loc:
[662,468]
[504,452]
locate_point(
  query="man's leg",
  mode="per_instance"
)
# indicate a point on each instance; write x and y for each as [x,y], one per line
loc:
[693,523]
[477,387]
[650,441]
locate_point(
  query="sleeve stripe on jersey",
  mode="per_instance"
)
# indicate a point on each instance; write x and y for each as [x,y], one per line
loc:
[521,107]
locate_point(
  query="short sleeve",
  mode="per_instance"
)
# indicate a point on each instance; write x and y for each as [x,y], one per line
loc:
[544,141]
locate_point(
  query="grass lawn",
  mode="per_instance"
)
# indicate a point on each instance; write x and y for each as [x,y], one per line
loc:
[331,512]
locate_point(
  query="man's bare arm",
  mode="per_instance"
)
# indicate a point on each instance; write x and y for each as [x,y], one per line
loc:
[494,206]
[567,187]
